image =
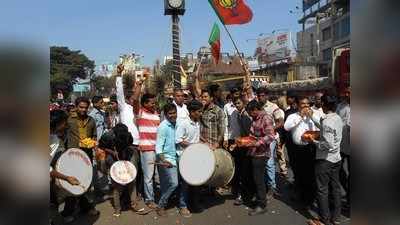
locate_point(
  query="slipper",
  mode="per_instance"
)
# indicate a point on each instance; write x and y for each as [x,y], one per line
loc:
[144,211]
[314,222]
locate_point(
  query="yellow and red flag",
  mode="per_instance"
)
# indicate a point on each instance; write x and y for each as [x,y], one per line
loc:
[232,11]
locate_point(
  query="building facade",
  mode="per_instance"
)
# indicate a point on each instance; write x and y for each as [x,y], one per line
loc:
[330,29]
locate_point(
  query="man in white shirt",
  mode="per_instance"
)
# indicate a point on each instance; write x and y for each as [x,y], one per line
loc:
[317,106]
[280,153]
[303,152]
[181,108]
[228,110]
[126,114]
[126,117]
[187,133]
[317,101]
[327,166]
[343,110]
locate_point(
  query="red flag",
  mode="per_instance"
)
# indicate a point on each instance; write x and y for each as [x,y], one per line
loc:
[232,11]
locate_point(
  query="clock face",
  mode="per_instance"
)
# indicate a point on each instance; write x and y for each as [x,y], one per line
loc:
[175,3]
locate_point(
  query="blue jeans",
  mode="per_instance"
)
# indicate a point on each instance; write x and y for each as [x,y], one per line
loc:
[270,167]
[147,160]
[169,181]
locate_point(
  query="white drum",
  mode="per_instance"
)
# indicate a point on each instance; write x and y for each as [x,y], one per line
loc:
[199,165]
[74,162]
[123,172]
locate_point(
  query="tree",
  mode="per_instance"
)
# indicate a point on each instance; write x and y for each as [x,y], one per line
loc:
[66,66]
[103,85]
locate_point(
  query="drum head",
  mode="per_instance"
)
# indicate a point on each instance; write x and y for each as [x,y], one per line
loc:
[197,164]
[123,172]
[75,162]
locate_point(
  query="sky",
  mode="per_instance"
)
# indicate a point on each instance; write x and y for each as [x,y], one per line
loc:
[103,30]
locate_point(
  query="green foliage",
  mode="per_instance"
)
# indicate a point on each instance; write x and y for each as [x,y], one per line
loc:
[103,85]
[66,66]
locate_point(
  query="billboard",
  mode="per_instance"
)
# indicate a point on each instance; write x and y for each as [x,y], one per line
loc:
[274,48]
[308,4]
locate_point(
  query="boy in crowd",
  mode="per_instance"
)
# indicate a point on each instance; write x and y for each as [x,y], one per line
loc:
[80,126]
[212,122]
[240,123]
[167,158]
[117,143]
[188,132]
[58,125]
[147,120]
[262,128]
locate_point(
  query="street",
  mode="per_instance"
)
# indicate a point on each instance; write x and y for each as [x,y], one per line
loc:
[219,211]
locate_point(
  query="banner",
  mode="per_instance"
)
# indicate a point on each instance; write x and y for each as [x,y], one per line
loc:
[274,48]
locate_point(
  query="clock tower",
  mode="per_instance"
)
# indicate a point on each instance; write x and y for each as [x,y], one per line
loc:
[175,8]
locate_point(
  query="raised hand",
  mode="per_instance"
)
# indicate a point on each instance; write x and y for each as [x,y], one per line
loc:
[120,68]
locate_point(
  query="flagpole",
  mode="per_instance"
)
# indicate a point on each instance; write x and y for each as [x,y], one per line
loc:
[247,73]
[234,44]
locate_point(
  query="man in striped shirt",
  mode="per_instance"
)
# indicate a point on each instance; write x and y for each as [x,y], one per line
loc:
[147,121]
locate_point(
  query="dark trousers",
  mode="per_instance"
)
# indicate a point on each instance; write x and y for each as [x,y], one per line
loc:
[328,184]
[71,203]
[291,150]
[238,155]
[83,201]
[254,182]
[122,194]
[304,165]
[345,175]
[139,177]
[194,195]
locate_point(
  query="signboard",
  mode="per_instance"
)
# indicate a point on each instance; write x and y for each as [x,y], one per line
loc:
[274,48]
[308,4]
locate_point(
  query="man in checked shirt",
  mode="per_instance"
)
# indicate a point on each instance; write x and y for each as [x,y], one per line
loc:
[262,129]
[212,123]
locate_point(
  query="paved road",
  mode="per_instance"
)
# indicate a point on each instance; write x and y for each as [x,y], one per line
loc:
[220,211]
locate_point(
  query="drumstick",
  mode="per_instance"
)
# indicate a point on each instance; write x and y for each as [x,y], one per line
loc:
[160,164]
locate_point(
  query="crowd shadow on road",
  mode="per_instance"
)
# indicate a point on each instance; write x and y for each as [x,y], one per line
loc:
[85,220]
[287,196]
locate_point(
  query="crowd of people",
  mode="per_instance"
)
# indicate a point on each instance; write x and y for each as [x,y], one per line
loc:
[153,140]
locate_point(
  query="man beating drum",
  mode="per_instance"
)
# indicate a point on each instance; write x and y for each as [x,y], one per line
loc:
[187,133]
[58,122]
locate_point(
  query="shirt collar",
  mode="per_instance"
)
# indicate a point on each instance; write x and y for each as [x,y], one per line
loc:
[262,113]
[330,114]
[193,122]
[145,110]
[212,107]
[183,105]
[169,123]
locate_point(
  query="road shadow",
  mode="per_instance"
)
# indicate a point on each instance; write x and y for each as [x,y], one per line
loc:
[287,195]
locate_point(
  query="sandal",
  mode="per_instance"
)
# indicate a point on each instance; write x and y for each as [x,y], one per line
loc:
[117,213]
[139,210]
[314,222]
